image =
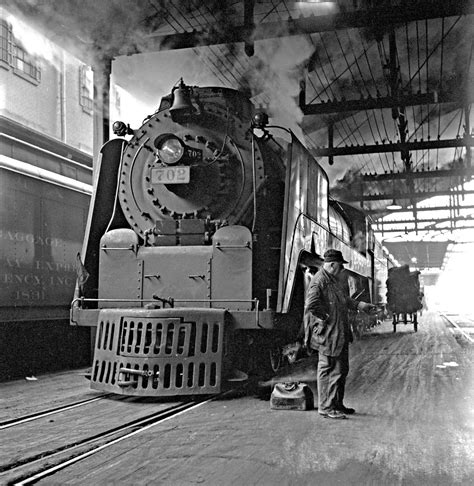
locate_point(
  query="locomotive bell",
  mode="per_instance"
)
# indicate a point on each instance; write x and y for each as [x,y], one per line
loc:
[182,105]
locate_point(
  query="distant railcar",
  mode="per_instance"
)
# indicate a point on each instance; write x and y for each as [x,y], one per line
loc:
[201,228]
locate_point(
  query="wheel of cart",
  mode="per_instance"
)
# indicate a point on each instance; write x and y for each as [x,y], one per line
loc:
[395,321]
[413,319]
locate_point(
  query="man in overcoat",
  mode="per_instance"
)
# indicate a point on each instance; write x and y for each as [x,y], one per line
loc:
[328,332]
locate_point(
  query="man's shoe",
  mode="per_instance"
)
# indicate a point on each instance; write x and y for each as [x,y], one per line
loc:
[346,410]
[333,414]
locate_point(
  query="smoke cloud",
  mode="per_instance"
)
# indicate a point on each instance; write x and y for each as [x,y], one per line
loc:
[271,77]
[277,69]
[89,29]
[94,31]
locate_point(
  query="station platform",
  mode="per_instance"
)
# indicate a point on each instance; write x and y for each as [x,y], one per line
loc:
[414,425]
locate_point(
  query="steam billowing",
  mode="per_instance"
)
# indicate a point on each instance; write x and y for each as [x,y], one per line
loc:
[96,31]
[271,77]
[93,31]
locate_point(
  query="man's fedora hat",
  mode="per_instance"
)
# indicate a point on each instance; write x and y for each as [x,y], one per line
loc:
[333,256]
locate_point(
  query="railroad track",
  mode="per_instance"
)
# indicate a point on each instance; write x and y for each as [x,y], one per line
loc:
[46,463]
[463,325]
[45,413]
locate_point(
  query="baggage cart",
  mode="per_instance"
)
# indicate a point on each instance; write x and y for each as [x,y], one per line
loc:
[404,297]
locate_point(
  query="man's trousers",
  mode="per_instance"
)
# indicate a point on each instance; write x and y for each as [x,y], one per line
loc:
[332,373]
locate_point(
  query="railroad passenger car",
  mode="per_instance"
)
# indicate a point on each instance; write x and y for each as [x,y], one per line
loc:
[202,226]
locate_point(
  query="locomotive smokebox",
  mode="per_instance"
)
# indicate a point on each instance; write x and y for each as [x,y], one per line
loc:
[191,163]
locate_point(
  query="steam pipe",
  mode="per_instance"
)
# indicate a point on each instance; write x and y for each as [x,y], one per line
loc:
[106,99]
[249,24]
[330,141]
[254,184]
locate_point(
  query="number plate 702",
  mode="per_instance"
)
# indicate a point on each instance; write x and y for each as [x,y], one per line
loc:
[170,175]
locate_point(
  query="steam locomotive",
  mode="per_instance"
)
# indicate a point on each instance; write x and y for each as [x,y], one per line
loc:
[203,228]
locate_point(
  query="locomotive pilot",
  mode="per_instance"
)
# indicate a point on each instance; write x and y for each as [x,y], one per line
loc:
[326,316]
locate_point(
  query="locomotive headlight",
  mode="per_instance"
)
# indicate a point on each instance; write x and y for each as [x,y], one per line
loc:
[170,148]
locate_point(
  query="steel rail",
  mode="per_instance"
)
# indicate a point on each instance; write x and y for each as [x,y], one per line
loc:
[142,424]
[458,328]
[8,468]
[45,413]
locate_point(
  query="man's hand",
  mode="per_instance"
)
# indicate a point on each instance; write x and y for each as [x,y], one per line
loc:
[366,307]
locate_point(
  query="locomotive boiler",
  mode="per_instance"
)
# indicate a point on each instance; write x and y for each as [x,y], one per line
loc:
[201,228]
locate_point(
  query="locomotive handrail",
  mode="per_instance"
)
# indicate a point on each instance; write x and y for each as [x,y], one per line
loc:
[105,248]
[285,275]
[90,299]
[255,302]
[220,247]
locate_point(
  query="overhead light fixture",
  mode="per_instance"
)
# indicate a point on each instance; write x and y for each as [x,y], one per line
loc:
[393,206]
[311,4]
